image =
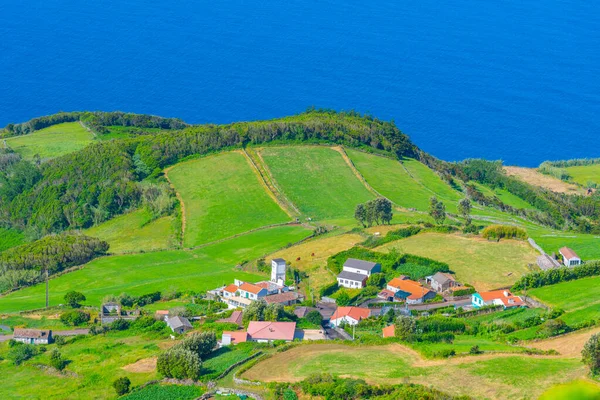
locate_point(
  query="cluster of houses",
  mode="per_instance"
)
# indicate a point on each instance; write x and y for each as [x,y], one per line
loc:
[240,294]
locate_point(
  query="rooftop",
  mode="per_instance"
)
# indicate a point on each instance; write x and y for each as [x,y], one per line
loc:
[31,333]
[267,330]
[237,336]
[282,297]
[353,276]
[234,318]
[251,288]
[178,322]
[356,313]
[389,331]
[231,288]
[360,264]
[568,253]
[442,278]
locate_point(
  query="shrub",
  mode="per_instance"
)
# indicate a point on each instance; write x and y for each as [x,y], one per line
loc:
[21,353]
[122,385]
[343,299]
[60,340]
[497,232]
[74,317]
[74,299]
[120,324]
[475,350]
[314,317]
[56,360]
[328,290]
[405,327]
[591,353]
[289,394]
[201,344]
[179,363]
[444,353]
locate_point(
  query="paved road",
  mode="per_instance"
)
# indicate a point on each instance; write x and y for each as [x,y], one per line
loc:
[421,307]
[72,332]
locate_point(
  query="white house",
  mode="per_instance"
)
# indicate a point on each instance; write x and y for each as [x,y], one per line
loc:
[502,298]
[251,291]
[570,258]
[355,273]
[32,336]
[230,291]
[349,315]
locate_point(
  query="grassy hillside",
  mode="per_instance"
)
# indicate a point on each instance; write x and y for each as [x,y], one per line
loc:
[410,184]
[500,377]
[136,231]
[137,274]
[10,238]
[317,180]
[484,264]
[51,142]
[222,197]
[585,174]
[505,196]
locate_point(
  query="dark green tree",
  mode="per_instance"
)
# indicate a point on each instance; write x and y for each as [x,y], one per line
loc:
[437,210]
[591,353]
[405,327]
[314,317]
[274,312]
[56,360]
[74,299]
[343,299]
[122,385]
[255,312]
[464,209]
[360,213]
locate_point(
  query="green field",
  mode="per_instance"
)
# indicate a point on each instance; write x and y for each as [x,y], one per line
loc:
[479,262]
[576,390]
[51,142]
[10,238]
[222,197]
[500,377]
[166,392]
[137,274]
[579,298]
[585,174]
[585,245]
[410,186]
[136,232]
[504,195]
[317,180]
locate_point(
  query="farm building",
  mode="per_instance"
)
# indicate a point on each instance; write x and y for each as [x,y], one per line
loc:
[349,315]
[110,312]
[179,324]
[234,318]
[161,315]
[356,272]
[267,331]
[441,281]
[502,298]
[272,287]
[410,291]
[233,337]
[33,336]
[570,258]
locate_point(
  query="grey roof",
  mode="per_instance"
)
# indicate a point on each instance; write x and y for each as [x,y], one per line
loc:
[279,260]
[178,322]
[32,333]
[442,278]
[360,264]
[352,276]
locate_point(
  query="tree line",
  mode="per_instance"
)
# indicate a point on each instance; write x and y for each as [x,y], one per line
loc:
[378,211]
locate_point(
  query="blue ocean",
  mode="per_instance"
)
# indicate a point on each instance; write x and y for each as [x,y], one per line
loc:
[517,80]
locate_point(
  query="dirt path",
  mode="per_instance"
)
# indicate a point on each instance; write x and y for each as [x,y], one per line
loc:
[142,366]
[182,204]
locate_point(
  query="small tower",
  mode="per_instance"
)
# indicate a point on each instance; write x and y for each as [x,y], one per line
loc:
[278,268]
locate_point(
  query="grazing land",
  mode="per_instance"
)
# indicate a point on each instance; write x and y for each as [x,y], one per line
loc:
[576,390]
[505,196]
[317,180]
[410,184]
[136,232]
[535,178]
[138,274]
[579,298]
[222,197]
[484,264]
[51,142]
[501,376]
[585,174]
[10,238]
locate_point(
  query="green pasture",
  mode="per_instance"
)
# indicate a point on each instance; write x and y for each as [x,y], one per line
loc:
[222,197]
[317,180]
[51,142]
[585,245]
[137,274]
[585,174]
[136,232]
[166,392]
[576,390]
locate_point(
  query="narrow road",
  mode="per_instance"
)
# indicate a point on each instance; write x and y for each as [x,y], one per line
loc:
[72,332]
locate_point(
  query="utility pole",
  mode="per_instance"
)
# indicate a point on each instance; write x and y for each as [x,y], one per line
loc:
[353,331]
[47,296]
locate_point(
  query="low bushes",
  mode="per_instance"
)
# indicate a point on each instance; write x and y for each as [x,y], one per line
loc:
[74,317]
[402,233]
[497,232]
[553,276]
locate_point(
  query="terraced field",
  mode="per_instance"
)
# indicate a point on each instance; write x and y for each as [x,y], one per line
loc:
[136,231]
[317,180]
[222,197]
[51,142]
[137,274]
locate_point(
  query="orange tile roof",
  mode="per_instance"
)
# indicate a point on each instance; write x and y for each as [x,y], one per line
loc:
[415,289]
[237,336]
[389,331]
[507,298]
[568,253]
[162,312]
[356,313]
[249,287]
[231,288]
[396,281]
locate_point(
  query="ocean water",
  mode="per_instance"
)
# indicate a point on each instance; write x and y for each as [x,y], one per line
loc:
[517,80]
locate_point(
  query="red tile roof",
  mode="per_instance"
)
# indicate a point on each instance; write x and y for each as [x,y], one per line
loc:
[234,318]
[356,313]
[231,288]
[162,312]
[389,331]
[568,253]
[415,289]
[507,298]
[266,330]
[237,336]
[249,287]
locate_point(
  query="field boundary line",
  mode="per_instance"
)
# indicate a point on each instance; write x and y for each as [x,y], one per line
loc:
[356,172]
[181,203]
[284,203]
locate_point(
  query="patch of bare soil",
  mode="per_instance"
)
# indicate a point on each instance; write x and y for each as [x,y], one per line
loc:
[569,345]
[535,178]
[142,366]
